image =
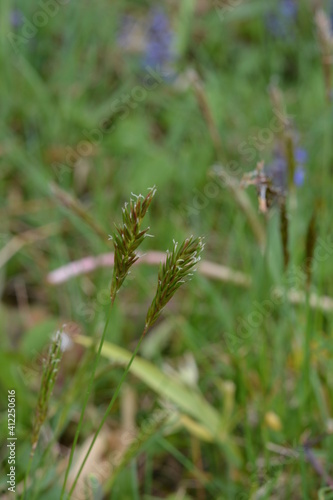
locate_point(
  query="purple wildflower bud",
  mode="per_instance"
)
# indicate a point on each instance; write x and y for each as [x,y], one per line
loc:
[299,176]
[277,171]
[159,53]
[16,18]
[280,20]
[301,155]
[289,9]
[273,24]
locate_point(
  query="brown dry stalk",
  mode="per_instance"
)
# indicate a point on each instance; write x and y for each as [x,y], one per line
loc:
[239,196]
[325,38]
[73,205]
[284,231]
[26,238]
[310,244]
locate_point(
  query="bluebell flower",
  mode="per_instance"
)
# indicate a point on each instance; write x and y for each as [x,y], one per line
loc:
[281,20]
[301,157]
[16,18]
[299,176]
[277,170]
[159,52]
[288,9]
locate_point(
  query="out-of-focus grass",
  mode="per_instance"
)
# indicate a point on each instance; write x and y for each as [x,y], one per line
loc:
[55,91]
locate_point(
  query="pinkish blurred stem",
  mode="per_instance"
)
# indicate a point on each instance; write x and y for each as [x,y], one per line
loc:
[88,264]
[205,268]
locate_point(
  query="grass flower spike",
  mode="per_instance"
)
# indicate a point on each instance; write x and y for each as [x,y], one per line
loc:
[177,268]
[50,371]
[173,273]
[159,53]
[128,237]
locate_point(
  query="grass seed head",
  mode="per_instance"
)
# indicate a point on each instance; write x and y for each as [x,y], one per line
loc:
[50,371]
[127,237]
[175,271]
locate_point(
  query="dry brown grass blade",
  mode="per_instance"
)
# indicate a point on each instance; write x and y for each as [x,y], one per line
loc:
[206,112]
[325,38]
[241,198]
[310,243]
[244,203]
[25,207]
[96,465]
[284,230]
[26,238]
[75,206]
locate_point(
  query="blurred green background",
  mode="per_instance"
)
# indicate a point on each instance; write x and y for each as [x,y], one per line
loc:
[100,101]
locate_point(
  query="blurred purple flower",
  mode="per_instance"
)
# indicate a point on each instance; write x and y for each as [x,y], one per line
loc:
[281,19]
[301,155]
[16,18]
[159,53]
[277,169]
[288,9]
[299,176]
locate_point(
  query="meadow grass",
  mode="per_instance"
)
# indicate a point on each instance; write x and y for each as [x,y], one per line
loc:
[243,376]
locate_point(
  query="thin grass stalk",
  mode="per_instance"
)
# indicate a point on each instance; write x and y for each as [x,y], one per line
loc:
[291,163]
[134,448]
[90,386]
[126,239]
[73,393]
[307,368]
[76,207]
[172,274]
[325,39]
[287,139]
[106,414]
[286,134]
[239,196]
[50,371]
[284,231]
[310,244]
[278,106]
[207,114]
[244,203]
[211,485]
